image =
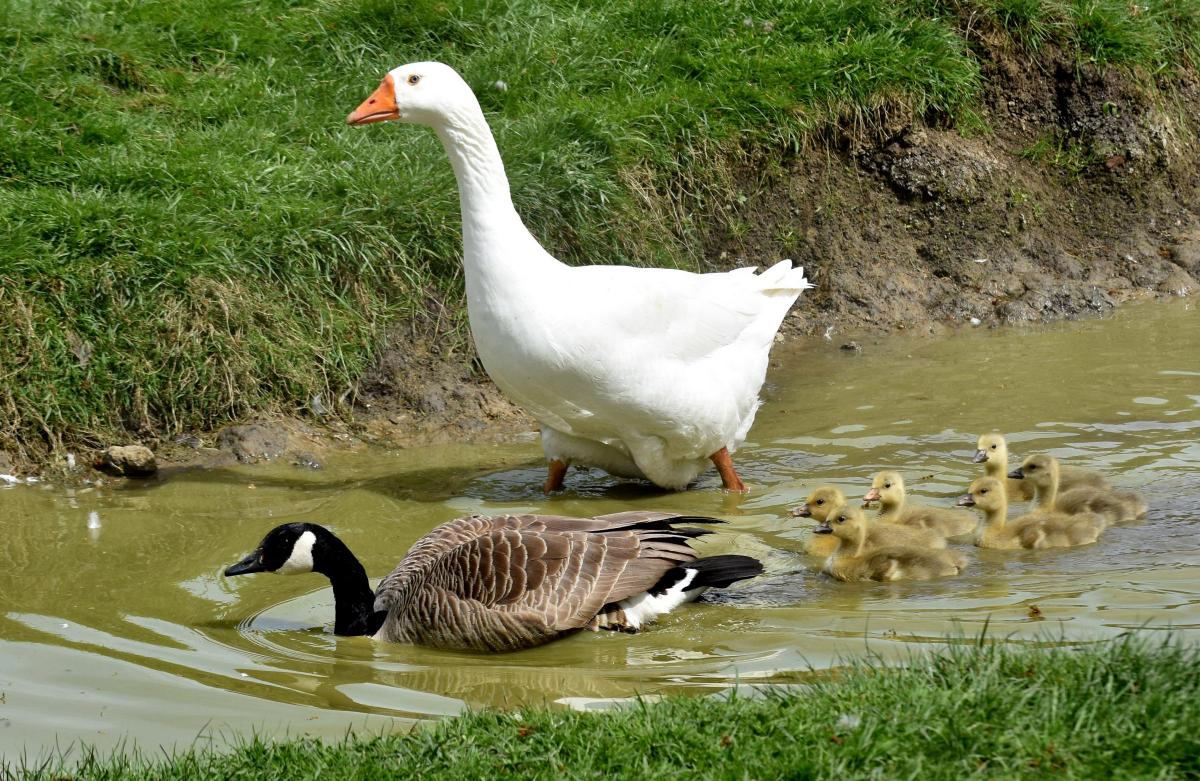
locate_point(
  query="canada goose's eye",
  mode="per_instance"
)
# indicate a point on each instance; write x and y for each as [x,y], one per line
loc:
[413,79]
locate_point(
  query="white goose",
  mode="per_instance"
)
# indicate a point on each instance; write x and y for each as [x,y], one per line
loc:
[642,372]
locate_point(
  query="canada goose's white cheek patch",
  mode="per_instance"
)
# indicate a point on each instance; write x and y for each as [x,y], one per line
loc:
[301,559]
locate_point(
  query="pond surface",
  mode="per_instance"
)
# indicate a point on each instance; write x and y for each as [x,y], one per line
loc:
[116,620]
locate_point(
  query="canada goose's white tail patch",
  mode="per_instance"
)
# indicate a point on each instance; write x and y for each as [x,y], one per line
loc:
[301,559]
[678,585]
[647,606]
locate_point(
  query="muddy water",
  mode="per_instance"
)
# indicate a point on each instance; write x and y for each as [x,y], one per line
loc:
[117,622]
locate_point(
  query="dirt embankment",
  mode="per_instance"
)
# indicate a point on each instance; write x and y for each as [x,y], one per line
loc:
[1079,191]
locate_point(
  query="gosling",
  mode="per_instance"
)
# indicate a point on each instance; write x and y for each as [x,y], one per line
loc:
[823,499]
[992,451]
[1113,506]
[855,559]
[888,489]
[1039,529]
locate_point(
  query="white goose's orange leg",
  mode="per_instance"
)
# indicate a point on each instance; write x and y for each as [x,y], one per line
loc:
[729,477]
[554,480]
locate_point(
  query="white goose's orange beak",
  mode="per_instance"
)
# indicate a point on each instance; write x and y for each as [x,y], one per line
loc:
[380,107]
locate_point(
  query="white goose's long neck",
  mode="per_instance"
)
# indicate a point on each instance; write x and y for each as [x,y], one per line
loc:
[493,234]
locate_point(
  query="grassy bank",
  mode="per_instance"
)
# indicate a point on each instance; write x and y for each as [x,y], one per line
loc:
[190,234]
[1123,709]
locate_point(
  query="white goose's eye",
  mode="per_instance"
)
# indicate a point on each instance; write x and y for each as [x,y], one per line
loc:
[414,78]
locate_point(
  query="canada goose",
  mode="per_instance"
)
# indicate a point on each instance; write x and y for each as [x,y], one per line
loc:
[1039,529]
[856,559]
[1044,472]
[992,451]
[888,489]
[825,498]
[508,582]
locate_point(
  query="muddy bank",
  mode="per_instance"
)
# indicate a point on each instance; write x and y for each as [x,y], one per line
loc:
[1075,192]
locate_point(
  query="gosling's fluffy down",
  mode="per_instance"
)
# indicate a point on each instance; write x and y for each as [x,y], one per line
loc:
[1039,529]
[888,489]
[855,559]
[1044,472]
[824,499]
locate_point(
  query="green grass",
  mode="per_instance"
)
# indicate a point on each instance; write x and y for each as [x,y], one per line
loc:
[190,233]
[1122,709]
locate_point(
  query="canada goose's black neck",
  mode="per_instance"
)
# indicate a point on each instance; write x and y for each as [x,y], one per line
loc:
[353,599]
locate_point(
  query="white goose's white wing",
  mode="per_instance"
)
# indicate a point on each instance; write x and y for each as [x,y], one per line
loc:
[663,364]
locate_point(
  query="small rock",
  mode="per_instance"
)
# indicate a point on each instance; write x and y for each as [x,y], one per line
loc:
[253,442]
[853,347]
[127,461]
[6,464]
[307,460]
[975,321]
[189,440]
[500,85]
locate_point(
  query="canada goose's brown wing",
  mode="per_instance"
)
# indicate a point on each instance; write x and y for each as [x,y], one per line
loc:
[452,534]
[519,587]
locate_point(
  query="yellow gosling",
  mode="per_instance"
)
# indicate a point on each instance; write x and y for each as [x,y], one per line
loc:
[888,489]
[1045,474]
[991,450]
[824,499]
[1039,529]
[856,559]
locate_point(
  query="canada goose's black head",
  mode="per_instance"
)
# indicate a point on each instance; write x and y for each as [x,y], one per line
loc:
[289,549]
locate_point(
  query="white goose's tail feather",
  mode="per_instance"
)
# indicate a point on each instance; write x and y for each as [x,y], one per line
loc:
[783,277]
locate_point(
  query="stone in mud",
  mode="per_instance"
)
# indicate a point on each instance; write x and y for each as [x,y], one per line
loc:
[1178,282]
[6,464]
[253,442]
[127,461]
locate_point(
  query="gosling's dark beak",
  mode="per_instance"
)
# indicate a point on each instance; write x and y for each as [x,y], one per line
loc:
[966,500]
[824,528]
[252,563]
[802,511]
[980,457]
[1017,474]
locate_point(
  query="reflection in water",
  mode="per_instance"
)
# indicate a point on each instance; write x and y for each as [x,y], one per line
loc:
[115,616]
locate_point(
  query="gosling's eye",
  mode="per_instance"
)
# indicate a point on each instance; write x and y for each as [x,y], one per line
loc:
[887,485]
[1031,467]
[413,79]
[993,447]
[983,490]
[820,502]
[841,518]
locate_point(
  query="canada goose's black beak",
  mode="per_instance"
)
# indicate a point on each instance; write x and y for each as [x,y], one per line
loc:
[1017,474]
[966,500]
[252,563]
[980,457]
[803,511]
[824,528]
